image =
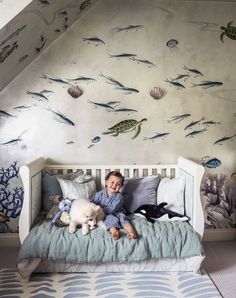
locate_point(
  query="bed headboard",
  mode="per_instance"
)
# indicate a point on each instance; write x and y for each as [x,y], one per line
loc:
[31,176]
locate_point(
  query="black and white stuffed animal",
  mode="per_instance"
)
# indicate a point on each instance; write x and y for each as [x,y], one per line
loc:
[156,211]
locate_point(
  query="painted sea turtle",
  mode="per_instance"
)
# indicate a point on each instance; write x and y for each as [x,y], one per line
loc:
[126,126]
[229,31]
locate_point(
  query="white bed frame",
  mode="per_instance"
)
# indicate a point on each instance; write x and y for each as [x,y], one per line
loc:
[32,173]
[31,177]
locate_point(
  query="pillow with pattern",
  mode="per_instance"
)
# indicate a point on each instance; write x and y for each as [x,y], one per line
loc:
[75,189]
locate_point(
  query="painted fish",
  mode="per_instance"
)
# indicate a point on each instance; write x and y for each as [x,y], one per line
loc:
[110,103]
[95,40]
[177,85]
[5,114]
[37,95]
[46,91]
[128,28]
[193,123]
[111,80]
[179,118]
[16,140]
[195,133]
[22,59]
[211,163]
[70,142]
[12,142]
[123,55]
[105,106]
[54,80]
[84,4]
[125,110]
[42,44]
[82,79]
[22,107]
[224,139]
[7,50]
[207,84]
[181,76]
[128,90]
[157,136]
[44,2]
[62,118]
[145,61]
[96,140]
[210,122]
[120,86]
[13,35]
[193,70]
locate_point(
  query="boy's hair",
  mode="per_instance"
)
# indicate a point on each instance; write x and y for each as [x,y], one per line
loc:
[117,174]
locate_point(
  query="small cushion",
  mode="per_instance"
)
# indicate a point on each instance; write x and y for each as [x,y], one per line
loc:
[139,191]
[73,189]
[51,187]
[171,191]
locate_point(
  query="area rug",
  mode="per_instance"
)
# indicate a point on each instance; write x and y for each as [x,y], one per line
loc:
[108,285]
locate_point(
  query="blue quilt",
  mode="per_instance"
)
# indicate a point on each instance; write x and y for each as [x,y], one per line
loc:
[159,240]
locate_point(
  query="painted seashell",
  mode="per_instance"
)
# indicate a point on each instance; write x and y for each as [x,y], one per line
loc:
[156,93]
[75,91]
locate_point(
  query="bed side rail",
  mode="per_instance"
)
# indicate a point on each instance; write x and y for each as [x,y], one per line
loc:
[31,179]
[193,174]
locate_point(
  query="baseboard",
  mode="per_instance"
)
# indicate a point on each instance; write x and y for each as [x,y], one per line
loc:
[219,235]
[9,239]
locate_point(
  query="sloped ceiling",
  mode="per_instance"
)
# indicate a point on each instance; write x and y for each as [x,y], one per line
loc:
[28,28]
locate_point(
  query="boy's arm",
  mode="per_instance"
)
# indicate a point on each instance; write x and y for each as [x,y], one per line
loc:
[94,198]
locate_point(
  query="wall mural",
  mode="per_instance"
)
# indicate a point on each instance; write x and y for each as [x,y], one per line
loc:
[113,82]
[11,198]
[50,20]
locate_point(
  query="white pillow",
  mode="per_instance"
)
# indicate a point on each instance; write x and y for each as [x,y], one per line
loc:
[171,191]
[73,189]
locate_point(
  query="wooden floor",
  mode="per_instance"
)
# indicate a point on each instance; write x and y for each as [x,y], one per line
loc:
[220,264]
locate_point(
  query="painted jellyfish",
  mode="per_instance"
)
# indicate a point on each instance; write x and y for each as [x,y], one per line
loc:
[172,43]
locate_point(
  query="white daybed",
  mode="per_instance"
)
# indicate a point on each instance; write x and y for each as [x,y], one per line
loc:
[32,181]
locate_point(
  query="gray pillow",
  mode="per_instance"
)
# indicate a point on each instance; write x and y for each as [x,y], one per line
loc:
[51,187]
[140,191]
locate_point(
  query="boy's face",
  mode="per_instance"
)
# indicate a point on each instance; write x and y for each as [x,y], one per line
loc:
[113,184]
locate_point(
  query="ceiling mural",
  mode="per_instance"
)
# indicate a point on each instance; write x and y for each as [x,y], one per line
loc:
[136,82]
[33,30]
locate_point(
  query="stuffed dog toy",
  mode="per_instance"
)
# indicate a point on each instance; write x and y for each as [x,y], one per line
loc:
[156,211]
[86,214]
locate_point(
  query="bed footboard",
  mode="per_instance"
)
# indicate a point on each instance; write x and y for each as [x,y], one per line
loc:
[193,174]
[31,177]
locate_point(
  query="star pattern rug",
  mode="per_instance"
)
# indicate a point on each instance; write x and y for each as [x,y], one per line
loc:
[108,285]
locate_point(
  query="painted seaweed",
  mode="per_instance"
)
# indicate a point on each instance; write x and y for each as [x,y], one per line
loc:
[11,199]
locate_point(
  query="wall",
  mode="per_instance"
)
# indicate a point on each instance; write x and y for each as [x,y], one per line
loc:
[117,53]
